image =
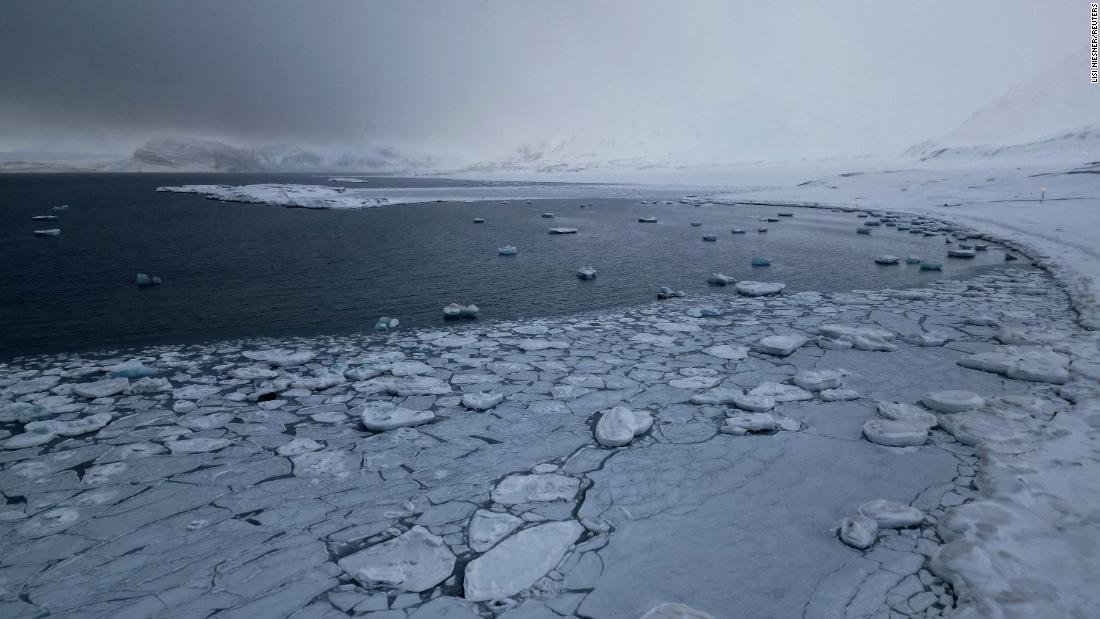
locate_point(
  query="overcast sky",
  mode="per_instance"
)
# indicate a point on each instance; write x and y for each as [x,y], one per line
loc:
[748,80]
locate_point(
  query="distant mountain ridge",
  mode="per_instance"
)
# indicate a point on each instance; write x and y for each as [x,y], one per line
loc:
[1053,114]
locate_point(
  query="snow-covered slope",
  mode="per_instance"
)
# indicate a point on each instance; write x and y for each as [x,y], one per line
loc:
[192,155]
[1055,114]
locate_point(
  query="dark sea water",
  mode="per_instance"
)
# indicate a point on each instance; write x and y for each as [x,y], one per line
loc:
[246,270]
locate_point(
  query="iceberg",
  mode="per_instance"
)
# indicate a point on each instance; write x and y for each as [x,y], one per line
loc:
[710,237]
[507,250]
[761,262]
[718,279]
[455,310]
[647,220]
[586,272]
[664,292]
[737,231]
[620,425]
[961,252]
[130,369]
[887,259]
[44,217]
[562,231]
[931,266]
[144,279]
[696,224]
[759,289]
[547,215]
[863,231]
[48,232]
[386,323]
[913,260]
[761,229]
[478,220]
[61,207]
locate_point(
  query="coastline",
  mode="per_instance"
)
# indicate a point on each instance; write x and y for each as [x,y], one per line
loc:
[570,396]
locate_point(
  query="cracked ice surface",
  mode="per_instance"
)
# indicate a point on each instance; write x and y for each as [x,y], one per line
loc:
[239,478]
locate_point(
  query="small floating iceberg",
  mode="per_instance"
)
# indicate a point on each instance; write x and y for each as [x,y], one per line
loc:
[386,323]
[981,246]
[761,229]
[737,231]
[887,259]
[931,266]
[664,292]
[719,279]
[61,207]
[710,237]
[872,222]
[49,232]
[761,262]
[647,220]
[863,231]
[562,231]
[786,214]
[44,217]
[455,310]
[507,250]
[759,289]
[586,272]
[547,215]
[144,279]
[696,224]
[772,219]
[913,260]
[961,253]
[478,220]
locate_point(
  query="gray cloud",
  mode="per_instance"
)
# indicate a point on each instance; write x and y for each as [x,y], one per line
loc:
[747,80]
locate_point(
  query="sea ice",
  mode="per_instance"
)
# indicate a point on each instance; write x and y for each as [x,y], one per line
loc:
[385,323]
[891,514]
[780,392]
[102,388]
[521,488]
[280,357]
[382,416]
[780,345]
[481,401]
[759,289]
[858,532]
[457,310]
[899,411]
[487,528]
[819,380]
[413,561]
[952,401]
[675,611]
[718,279]
[519,561]
[895,433]
[619,425]
[744,423]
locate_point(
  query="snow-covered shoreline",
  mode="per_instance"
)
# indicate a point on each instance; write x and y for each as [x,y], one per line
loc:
[207,406]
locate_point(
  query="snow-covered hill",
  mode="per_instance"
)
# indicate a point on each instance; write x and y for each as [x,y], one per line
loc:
[1053,115]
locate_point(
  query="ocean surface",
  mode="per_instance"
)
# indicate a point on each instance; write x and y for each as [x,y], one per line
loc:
[248,270]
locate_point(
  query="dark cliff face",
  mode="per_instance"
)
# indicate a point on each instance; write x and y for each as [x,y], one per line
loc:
[196,155]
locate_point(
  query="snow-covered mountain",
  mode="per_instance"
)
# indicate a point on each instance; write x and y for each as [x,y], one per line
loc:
[183,154]
[192,155]
[1055,114]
